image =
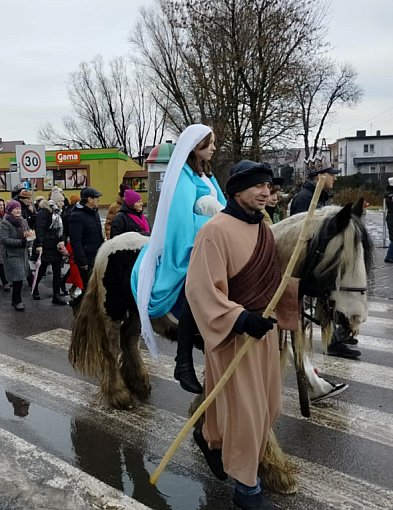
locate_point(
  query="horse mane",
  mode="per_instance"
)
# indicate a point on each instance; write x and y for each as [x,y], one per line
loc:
[328,255]
[322,254]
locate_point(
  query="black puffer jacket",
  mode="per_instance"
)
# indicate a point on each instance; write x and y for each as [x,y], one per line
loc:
[389,208]
[123,223]
[66,219]
[301,201]
[85,233]
[46,237]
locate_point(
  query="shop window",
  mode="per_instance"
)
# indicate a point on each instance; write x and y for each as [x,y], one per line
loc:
[3,182]
[66,178]
[372,169]
[137,183]
[382,169]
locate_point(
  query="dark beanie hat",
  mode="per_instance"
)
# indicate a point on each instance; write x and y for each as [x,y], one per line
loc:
[122,188]
[11,205]
[246,174]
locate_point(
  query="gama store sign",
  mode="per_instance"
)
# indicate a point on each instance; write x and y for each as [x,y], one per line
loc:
[68,157]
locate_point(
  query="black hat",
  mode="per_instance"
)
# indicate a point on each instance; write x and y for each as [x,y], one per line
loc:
[246,174]
[329,170]
[278,181]
[90,192]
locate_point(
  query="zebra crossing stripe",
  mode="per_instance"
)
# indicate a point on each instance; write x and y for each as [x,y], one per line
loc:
[378,321]
[333,413]
[344,417]
[349,493]
[46,477]
[355,370]
[380,307]
[352,370]
[366,342]
[316,481]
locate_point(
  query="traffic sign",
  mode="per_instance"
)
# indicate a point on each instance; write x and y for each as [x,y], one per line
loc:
[31,161]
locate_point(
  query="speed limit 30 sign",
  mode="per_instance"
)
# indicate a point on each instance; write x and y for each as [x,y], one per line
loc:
[31,161]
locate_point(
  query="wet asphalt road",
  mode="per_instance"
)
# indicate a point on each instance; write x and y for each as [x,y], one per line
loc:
[61,448]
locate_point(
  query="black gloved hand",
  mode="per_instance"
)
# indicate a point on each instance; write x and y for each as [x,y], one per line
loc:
[309,286]
[253,324]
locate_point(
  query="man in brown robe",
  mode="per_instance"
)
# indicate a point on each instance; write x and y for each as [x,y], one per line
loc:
[233,274]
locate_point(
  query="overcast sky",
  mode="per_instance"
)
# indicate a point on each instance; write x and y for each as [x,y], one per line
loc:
[43,41]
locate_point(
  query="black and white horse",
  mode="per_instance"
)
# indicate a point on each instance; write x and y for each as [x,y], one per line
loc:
[339,253]
[105,340]
[105,336]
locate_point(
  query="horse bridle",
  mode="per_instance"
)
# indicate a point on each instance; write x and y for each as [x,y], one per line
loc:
[362,290]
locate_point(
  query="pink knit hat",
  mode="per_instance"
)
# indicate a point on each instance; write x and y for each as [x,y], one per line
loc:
[131,197]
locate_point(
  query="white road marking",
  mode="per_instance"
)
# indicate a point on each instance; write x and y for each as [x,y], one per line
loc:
[379,307]
[316,481]
[48,477]
[366,342]
[333,413]
[354,370]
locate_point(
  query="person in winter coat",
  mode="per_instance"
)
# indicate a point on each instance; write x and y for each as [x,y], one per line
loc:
[114,209]
[37,202]
[14,231]
[4,282]
[300,203]
[388,196]
[130,218]
[48,243]
[58,197]
[72,276]
[29,213]
[85,231]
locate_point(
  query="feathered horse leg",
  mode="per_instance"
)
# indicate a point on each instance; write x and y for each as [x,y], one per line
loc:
[94,349]
[276,470]
[133,369]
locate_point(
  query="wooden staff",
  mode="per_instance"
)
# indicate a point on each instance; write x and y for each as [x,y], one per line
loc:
[249,341]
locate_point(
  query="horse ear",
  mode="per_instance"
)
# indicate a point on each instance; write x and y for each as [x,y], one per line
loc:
[357,209]
[340,221]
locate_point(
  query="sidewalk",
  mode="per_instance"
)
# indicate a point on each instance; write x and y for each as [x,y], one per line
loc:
[381,285]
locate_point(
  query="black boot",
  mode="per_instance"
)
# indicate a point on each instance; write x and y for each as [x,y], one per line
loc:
[255,502]
[185,374]
[184,370]
[213,457]
[36,294]
[58,300]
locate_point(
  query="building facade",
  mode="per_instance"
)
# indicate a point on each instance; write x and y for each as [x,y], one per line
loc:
[103,169]
[367,154]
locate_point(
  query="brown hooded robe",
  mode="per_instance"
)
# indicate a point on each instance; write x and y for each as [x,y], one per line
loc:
[241,416]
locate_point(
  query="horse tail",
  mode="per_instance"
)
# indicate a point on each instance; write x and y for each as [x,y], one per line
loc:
[89,339]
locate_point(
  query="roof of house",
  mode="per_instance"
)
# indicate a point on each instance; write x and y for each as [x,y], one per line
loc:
[9,146]
[372,159]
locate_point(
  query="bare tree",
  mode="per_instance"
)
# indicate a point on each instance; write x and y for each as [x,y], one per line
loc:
[112,107]
[228,63]
[148,118]
[320,87]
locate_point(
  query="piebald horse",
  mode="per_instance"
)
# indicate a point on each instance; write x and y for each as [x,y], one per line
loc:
[105,340]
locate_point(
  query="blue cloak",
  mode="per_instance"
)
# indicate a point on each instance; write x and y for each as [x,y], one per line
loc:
[182,227]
